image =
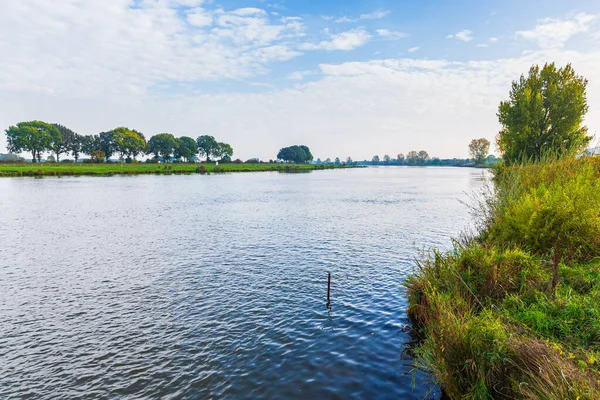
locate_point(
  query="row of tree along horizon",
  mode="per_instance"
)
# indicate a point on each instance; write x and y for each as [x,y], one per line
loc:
[37,137]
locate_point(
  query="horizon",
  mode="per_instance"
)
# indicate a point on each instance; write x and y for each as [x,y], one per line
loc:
[347,79]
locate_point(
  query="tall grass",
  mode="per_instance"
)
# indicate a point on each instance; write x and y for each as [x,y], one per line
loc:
[514,310]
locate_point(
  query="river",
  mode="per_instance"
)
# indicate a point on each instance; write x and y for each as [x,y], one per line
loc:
[215,286]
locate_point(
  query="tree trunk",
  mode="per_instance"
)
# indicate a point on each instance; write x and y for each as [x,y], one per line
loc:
[57,155]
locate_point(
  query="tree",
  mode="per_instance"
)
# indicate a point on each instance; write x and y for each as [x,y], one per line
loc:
[295,154]
[97,156]
[545,113]
[412,158]
[163,144]
[207,146]
[106,144]
[423,157]
[33,136]
[400,159]
[478,149]
[349,160]
[223,151]
[386,159]
[375,160]
[328,160]
[186,148]
[337,160]
[63,142]
[128,142]
[76,146]
[89,144]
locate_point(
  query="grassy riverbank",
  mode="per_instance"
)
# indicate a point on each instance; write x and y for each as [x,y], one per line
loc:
[59,169]
[514,311]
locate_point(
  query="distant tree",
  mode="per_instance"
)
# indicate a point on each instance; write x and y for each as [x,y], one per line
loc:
[64,142]
[478,149]
[33,136]
[375,160]
[142,145]
[107,144]
[436,161]
[319,161]
[545,112]
[89,143]
[128,142]
[223,150]
[76,146]
[337,160]
[423,157]
[412,158]
[386,159]
[295,154]
[98,156]
[163,144]
[51,159]
[186,148]
[349,160]
[328,161]
[207,146]
[400,159]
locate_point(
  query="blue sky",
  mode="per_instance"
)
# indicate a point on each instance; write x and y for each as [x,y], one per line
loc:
[348,78]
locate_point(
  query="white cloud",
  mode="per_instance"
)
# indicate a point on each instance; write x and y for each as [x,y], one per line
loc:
[413,49]
[464,35]
[377,14]
[489,42]
[200,17]
[554,33]
[300,75]
[342,41]
[385,33]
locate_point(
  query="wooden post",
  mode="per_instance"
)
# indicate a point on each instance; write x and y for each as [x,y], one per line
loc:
[328,289]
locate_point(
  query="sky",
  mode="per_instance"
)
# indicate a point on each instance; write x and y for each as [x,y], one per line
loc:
[352,78]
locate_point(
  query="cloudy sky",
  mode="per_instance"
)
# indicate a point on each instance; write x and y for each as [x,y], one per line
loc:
[345,77]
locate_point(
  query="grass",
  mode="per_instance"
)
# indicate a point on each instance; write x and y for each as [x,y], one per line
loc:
[67,169]
[514,311]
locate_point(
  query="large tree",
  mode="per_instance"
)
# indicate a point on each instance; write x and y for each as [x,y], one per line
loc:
[163,144]
[478,149]
[64,142]
[106,141]
[223,151]
[32,136]
[186,148]
[400,159]
[128,142]
[544,113]
[207,146]
[295,154]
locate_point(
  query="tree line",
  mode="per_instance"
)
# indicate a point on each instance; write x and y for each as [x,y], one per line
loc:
[38,137]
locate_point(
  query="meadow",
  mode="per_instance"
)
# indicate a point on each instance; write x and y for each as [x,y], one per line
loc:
[107,169]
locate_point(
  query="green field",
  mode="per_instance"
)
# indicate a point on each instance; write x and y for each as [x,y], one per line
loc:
[56,169]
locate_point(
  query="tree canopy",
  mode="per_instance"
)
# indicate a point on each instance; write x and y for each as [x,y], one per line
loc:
[478,149]
[128,142]
[544,113]
[33,136]
[296,154]
[163,144]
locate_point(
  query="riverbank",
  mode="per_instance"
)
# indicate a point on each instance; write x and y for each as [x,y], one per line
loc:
[60,169]
[514,311]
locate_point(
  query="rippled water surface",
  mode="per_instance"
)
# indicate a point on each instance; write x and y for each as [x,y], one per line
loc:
[215,286]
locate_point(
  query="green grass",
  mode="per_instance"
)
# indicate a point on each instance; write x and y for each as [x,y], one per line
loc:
[59,169]
[514,312]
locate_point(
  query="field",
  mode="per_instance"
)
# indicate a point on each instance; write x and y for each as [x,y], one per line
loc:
[59,169]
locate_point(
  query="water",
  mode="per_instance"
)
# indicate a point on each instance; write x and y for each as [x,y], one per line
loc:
[215,286]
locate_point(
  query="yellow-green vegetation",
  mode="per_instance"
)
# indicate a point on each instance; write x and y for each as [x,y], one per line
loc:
[514,311]
[105,169]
